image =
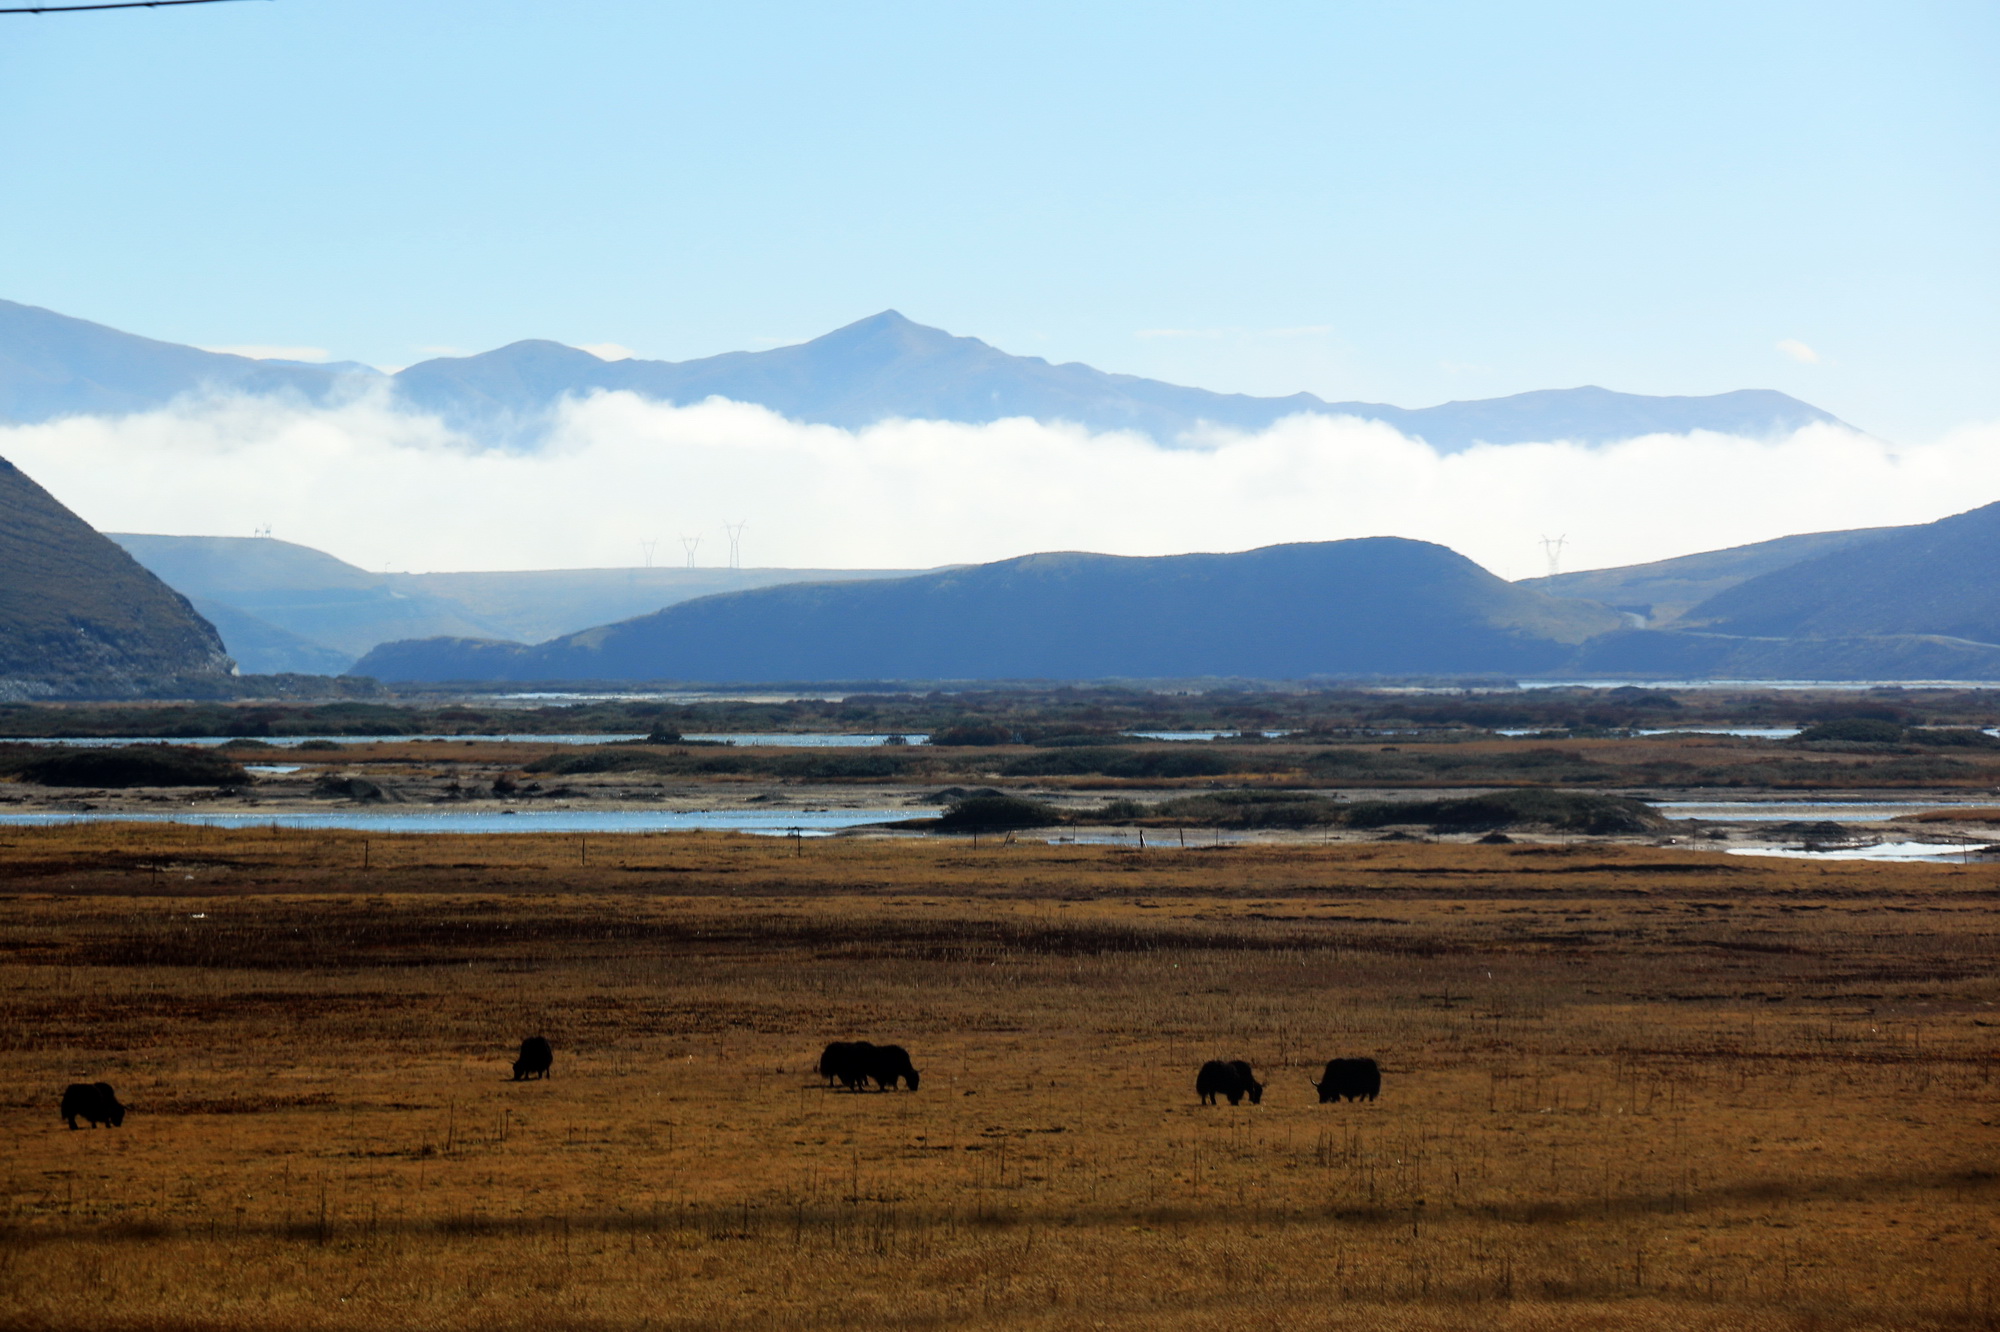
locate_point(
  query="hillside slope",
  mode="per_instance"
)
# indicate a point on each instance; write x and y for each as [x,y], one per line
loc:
[1664,590]
[281,606]
[1940,578]
[79,618]
[1375,606]
[531,605]
[303,592]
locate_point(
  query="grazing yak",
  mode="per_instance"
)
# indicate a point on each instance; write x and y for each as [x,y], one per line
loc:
[1231,1079]
[839,1061]
[887,1063]
[92,1101]
[854,1063]
[1349,1079]
[534,1059]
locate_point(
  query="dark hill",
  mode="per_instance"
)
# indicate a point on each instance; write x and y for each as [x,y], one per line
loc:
[1377,606]
[1940,578]
[79,617]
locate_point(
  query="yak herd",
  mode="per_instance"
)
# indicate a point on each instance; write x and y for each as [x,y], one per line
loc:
[853,1064]
[1342,1080]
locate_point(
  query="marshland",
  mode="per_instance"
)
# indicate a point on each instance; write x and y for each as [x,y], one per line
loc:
[1623,1085]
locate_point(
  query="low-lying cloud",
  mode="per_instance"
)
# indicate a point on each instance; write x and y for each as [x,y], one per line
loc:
[384,488]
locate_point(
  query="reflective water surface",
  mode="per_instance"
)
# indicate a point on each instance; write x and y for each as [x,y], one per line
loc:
[1803,811]
[1938,852]
[787,740]
[813,822]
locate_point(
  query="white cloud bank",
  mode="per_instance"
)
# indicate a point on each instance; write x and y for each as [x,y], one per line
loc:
[387,489]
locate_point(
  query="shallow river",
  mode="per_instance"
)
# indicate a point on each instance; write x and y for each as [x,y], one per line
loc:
[1803,811]
[776,822]
[787,740]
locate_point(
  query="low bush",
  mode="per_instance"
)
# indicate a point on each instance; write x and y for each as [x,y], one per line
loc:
[821,765]
[1952,737]
[980,813]
[1561,811]
[1254,809]
[1855,731]
[1109,761]
[982,733]
[1531,807]
[133,765]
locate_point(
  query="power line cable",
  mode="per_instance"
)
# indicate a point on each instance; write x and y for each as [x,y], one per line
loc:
[120,4]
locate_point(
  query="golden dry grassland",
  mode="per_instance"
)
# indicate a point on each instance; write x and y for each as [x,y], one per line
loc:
[1624,1087]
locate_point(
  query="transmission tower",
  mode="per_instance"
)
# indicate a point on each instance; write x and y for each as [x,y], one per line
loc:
[690,545]
[1552,546]
[735,531]
[648,547]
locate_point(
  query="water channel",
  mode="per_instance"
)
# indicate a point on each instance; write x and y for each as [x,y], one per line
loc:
[771,822]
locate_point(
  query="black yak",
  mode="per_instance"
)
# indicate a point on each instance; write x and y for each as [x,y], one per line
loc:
[843,1060]
[855,1062]
[94,1102]
[1232,1079]
[887,1063]
[1349,1079]
[534,1059]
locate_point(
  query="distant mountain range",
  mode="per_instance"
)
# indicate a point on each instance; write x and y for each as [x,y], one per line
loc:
[80,618]
[286,607]
[1919,602]
[1374,606]
[880,368]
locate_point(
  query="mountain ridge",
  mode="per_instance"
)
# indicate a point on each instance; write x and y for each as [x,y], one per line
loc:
[1369,606]
[883,367]
[285,607]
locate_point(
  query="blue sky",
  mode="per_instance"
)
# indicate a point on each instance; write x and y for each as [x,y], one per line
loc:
[1404,203]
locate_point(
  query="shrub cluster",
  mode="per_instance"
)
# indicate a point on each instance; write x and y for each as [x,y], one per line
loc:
[1088,761]
[130,765]
[983,812]
[812,765]
[1561,811]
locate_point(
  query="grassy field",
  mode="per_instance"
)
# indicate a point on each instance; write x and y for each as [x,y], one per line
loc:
[1623,1087]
